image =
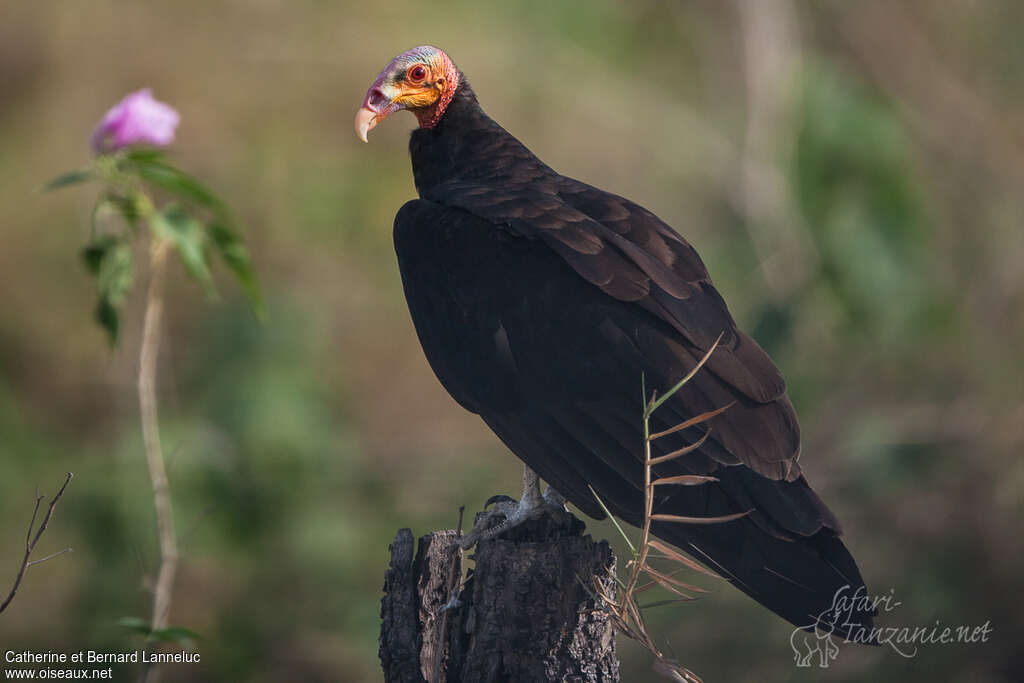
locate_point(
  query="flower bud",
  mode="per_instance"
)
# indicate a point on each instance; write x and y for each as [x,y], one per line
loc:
[138,118]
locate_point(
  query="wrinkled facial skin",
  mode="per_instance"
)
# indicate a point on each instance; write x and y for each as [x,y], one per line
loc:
[421,80]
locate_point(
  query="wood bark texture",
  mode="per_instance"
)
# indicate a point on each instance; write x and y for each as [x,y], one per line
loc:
[526,612]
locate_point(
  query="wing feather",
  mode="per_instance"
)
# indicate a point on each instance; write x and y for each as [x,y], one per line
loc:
[631,255]
[550,353]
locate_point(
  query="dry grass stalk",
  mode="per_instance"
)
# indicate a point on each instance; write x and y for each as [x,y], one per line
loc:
[625,610]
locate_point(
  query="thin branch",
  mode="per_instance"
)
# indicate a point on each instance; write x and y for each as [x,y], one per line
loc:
[682,451]
[670,578]
[656,402]
[703,417]
[679,519]
[69,549]
[682,559]
[32,522]
[615,521]
[683,480]
[30,540]
[151,435]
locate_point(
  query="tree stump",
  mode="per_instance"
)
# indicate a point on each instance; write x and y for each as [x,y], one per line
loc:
[526,612]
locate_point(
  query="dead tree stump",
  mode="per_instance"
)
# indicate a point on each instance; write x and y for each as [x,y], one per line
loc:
[526,612]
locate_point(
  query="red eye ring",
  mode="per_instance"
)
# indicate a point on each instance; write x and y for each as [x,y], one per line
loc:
[417,73]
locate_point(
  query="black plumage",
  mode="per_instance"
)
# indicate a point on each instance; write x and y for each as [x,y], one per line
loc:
[541,301]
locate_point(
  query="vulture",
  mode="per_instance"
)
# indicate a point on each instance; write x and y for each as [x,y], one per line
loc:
[548,306]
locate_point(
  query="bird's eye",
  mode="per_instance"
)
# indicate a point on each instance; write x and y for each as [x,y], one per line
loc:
[417,74]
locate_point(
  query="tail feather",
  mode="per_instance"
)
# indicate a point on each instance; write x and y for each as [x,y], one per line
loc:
[809,581]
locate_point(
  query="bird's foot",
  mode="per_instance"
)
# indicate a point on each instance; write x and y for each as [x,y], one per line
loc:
[554,499]
[502,513]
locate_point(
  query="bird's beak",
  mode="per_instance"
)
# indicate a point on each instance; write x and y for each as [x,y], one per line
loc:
[366,119]
[378,105]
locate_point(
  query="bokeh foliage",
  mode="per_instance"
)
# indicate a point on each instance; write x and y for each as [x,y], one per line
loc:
[296,448]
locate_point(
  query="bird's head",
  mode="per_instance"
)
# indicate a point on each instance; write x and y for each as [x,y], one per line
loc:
[422,80]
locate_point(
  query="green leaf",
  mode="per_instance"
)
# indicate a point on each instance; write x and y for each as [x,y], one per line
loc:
[109,318]
[175,634]
[70,178]
[128,206]
[176,181]
[614,520]
[94,253]
[171,634]
[142,154]
[111,260]
[236,256]
[655,404]
[186,234]
[116,272]
[135,624]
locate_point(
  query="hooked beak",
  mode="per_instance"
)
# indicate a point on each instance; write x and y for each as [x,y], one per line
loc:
[376,107]
[366,119]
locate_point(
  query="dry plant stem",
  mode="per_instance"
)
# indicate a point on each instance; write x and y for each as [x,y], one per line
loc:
[30,541]
[626,612]
[641,560]
[151,434]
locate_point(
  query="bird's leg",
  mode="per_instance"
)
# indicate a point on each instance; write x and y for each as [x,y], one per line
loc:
[531,490]
[554,499]
[531,505]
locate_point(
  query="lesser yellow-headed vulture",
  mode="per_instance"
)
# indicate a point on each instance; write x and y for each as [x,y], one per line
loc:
[541,302]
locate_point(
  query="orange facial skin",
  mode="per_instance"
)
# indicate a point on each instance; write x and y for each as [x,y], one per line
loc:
[422,80]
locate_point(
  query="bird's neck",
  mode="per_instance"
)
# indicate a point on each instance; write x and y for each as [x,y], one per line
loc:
[464,145]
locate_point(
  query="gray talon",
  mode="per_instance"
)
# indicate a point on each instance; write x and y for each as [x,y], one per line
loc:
[500,498]
[512,513]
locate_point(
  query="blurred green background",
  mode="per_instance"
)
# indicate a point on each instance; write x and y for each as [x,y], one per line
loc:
[850,172]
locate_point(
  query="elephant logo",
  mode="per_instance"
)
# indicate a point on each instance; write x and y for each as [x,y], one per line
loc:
[808,641]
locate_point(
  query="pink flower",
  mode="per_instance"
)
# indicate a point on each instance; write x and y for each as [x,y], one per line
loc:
[138,118]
